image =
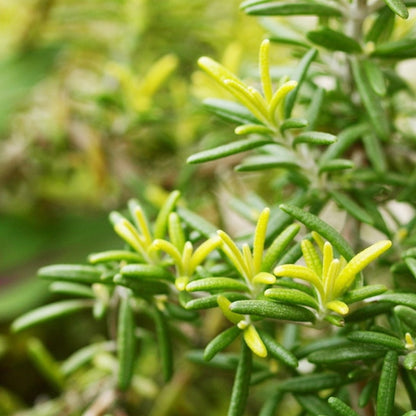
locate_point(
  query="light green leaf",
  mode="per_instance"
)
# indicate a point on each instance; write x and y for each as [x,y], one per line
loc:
[71,273]
[208,302]
[375,76]
[69,288]
[277,8]
[336,164]
[333,40]
[291,297]
[230,110]
[49,312]
[398,7]
[197,222]
[161,223]
[216,283]
[293,123]
[116,256]
[371,101]
[146,272]
[263,162]
[228,149]
[315,137]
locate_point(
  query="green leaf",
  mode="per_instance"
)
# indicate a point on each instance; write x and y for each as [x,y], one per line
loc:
[382,27]
[312,382]
[375,153]
[278,8]
[406,315]
[364,292]
[336,164]
[377,338]
[315,108]
[398,7]
[223,361]
[116,256]
[352,207]
[142,287]
[164,339]
[84,355]
[71,273]
[49,312]
[278,351]
[241,384]
[315,137]
[409,362]
[314,405]
[370,101]
[262,162]
[299,76]
[278,247]
[291,297]
[400,49]
[230,110]
[387,385]
[228,149]
[321,344]
[375,76]
[268,309]
[126,344]
[220,342]
[333,40]
[411,264]
[271,403]
[322,228]
[146,272]
[406,299]
[345,353]
[340,407]
[197,223]
[368,311]
[293,123]
[211,301]
[75,289]
[161,223]
[216,284]
[345,140]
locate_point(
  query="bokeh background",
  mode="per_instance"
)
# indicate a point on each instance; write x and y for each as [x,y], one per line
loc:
[100,101]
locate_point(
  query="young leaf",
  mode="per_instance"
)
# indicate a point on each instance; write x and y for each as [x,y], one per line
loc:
[371,101]
[220,342]
[340,407]
[116,256]
[325,230]
[277,8]
[126,344]
[228,149]
[334,40]
[398,7]
[377,338]
[161,223]
[272,310]
[241,385]
[48,312]
[254,342]
[387,385]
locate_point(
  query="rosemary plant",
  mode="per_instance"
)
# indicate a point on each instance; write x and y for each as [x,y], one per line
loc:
[319,315]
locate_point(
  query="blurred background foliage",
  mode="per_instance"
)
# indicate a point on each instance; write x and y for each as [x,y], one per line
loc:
[100,101]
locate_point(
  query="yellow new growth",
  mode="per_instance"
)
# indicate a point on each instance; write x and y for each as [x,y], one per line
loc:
[265,107]
[330,277]
[248,262]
